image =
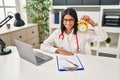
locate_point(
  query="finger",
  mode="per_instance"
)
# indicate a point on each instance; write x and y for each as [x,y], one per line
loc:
[83,17]
[69,53]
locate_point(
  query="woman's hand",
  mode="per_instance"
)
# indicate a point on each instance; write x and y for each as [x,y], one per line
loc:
[64,52]
[89,20]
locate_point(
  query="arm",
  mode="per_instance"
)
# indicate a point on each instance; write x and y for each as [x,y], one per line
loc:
[89,20]
[63,52]
[48,44]
[98,34]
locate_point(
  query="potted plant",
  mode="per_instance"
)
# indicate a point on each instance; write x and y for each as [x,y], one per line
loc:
[108,40]
[38,12]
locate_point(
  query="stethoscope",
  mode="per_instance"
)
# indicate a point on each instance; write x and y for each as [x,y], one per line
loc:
[82,27]
[61,36]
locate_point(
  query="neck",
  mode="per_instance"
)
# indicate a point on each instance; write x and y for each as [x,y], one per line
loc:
[68,31]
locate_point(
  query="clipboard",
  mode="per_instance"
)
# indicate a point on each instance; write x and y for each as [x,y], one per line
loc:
[69,63]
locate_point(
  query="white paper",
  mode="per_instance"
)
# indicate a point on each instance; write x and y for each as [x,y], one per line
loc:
[63,63]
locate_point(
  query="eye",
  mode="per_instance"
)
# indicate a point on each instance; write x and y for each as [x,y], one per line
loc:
[70,20]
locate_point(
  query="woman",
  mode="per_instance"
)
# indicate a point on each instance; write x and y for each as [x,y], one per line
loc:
[68,40]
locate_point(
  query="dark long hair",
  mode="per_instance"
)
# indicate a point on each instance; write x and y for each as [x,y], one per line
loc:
[73,13]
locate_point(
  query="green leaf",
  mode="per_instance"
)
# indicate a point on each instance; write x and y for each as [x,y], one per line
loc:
[38,11]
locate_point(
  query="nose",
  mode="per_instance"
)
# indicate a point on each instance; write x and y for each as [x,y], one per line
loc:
[67,22]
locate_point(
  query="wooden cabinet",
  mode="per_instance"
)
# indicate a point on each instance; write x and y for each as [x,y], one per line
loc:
[33,36]
[7,38]
[19,35]
[27,33]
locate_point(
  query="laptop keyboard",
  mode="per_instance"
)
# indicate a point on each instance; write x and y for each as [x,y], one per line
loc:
[42,57]
[38,59]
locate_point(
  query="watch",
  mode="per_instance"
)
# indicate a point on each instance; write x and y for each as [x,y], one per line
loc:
[82,26]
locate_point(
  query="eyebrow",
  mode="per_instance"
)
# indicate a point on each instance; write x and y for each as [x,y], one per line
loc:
[68,19]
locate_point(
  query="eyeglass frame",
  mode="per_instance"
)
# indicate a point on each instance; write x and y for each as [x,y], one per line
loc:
[70,20]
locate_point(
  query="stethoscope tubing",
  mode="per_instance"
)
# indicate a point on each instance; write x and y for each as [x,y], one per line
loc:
[61,36]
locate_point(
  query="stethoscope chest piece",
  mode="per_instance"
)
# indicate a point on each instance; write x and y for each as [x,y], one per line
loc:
[82,26]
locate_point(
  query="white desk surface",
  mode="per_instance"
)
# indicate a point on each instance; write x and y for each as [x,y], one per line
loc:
[12,67]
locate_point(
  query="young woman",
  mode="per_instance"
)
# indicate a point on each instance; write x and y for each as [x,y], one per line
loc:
[68,40]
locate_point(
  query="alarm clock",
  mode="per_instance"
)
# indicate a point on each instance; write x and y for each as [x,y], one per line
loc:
[82,26]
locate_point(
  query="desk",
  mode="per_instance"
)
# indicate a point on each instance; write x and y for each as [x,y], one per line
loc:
[12,67]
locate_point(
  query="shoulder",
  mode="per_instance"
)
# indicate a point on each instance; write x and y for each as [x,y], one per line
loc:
[57,31]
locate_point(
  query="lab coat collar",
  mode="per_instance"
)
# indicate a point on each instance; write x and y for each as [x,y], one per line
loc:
[68,34]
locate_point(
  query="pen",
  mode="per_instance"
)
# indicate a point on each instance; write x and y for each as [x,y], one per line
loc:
[72,63]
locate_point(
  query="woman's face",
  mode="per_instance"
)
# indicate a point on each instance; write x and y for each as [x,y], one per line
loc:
[68,21]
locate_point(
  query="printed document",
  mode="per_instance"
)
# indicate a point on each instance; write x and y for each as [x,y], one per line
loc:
[65,62]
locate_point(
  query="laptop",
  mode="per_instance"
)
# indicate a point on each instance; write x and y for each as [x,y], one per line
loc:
[26,52]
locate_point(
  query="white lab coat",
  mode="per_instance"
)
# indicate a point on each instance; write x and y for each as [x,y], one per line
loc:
[69,41]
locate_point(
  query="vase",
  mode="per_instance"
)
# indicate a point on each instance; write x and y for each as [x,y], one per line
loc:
[107,45]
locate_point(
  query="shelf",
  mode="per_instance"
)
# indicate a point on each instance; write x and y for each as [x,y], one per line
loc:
[94,48]
[95,12]
[58,7]
[5,30]
[78,8]
[110,50]
[111,29]
[63,6]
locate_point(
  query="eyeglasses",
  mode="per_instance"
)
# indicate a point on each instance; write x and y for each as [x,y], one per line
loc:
[70,20]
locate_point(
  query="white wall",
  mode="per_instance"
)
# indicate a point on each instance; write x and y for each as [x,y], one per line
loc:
[94,15]
[22,10]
